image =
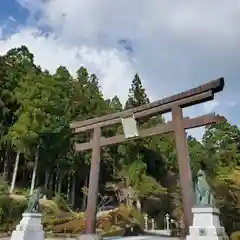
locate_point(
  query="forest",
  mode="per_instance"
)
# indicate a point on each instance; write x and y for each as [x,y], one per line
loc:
[37,145]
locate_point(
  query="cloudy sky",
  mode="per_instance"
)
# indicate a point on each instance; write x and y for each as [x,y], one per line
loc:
[173,46]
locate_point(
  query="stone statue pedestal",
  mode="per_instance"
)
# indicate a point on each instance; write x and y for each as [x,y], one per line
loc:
[206,224]
[30,228]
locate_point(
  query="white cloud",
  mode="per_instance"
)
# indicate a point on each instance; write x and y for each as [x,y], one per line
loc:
[202,21]
[173,43]
[114,71]
[165,34]
[11,18]
[210,106]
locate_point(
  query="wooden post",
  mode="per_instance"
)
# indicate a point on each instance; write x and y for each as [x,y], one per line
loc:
[184,167]
[93,184]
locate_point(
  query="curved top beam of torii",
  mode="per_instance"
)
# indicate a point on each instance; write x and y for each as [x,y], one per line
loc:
[214,86]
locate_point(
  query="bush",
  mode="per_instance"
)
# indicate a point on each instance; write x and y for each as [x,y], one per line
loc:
[59,221]
[235,235]
[73,226]
[105,223]
[22,191]
[112,224]
[124,215]
[49,194]
[50,223]
[61,202]
[10,208]
[47,211]
[10,212]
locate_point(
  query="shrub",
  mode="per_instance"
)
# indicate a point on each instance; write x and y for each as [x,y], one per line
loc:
[49,194]
[235,235]
[104,223]
[47,211]
[73,226]
[137,216]
[10,212]
[61,202]
[22,191]
[10,208]
[50,223]
[112,224]
[124,215]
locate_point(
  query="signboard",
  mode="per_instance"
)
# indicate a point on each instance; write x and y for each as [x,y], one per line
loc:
[130,127]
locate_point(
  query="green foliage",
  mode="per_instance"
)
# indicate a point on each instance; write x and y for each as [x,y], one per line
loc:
[61,202]
[10,211]
[222,141]
[22,191]
[137,95]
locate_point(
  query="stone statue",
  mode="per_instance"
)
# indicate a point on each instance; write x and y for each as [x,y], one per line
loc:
[203,192]
[33,203]
[138,205]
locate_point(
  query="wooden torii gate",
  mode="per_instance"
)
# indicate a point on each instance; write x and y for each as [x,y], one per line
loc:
[178,125]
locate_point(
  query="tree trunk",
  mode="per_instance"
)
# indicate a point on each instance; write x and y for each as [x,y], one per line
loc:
[73,189]
[69,186]
[2,159]
[37,181]
[5,166]
[23,175]
[3,162]
[46,180]
[14,173]
[60,183]
[56,181]
[84,203]
[34,171]
[50,186]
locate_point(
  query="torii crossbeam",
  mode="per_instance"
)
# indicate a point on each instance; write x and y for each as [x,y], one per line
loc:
[178,125]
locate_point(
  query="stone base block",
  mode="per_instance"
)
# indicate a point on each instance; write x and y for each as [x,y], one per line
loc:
[206,224]
[206,216]
[30,228]
[27,235]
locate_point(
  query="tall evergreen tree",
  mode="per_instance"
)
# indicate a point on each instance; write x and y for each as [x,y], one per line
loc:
[116,105]
[137,95]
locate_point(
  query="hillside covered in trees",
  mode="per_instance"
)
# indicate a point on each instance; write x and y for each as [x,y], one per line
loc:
[36,144]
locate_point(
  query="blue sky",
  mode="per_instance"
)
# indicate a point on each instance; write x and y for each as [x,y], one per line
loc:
[12,8]
[173,46]
[11,12]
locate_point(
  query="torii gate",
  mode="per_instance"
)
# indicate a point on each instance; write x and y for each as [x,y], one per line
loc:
[178,125]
